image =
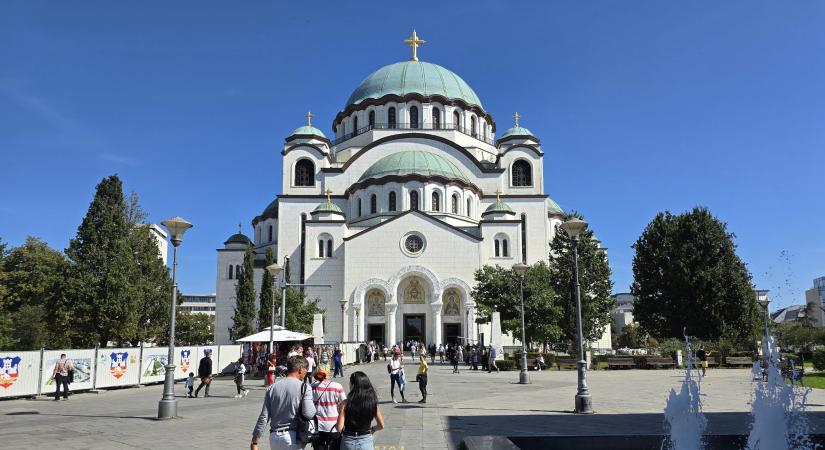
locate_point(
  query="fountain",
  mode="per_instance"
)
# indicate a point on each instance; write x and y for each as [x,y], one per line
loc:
[683,411]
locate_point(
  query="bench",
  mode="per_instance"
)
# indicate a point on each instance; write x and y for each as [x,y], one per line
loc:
[739,361]
[620,363]
[712,362]
[567,362]
[656,362]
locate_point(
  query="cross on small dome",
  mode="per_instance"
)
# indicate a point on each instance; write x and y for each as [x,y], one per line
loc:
[414,42]
[309,118]
[516,117]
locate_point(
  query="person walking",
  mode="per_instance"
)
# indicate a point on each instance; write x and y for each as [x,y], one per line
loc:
[491,356]
[395,368]
[327,395]
[421,377]
[240,371]
[338,362]
[702,355]
[357,413]
[310,360]
[323,359]
[190,384]
[62,373]
[205,373]
[283,402]
[271,369]
[441,353]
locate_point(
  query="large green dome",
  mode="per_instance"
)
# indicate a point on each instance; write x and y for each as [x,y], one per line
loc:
[414,77]
[414,162]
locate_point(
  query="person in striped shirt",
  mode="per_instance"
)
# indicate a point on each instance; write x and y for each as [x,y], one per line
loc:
[327,395]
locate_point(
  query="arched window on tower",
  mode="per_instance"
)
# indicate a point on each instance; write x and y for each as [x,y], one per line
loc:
[522,173]
[497,252]
[436,205]
[270,233]
[455,204]
[392,203]
[354,125]
[329,248]
[414,200]
[391,117]
[456,120]
[229,275]
[372,119]
[502,244]
[237,271]
[436,119]
[473,126]
[373,204]
[304,173]
[413,117]
[359,208]
[469,204]
[325,246]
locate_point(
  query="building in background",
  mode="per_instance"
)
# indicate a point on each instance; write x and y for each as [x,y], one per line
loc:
[198,304]
[160,238]
[622,313]
[815,299]
[793,313]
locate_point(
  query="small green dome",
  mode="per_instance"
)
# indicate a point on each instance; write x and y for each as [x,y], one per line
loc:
[271,208]
[517,131]
[308,130]
[553,207]
[414,162]
[327,207]
[499,207]
[238,238]
[414,77]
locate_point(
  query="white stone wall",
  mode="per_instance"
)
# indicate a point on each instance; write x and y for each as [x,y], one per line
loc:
[225,293]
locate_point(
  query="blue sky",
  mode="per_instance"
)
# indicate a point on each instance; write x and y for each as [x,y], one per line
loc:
[640,106]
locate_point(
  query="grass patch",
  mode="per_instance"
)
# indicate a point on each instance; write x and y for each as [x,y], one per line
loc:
[814,380]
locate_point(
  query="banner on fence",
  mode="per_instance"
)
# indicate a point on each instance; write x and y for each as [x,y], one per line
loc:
[19,373]
[117,367]
[186,360]
[83,362]
[227,356]
[153,364]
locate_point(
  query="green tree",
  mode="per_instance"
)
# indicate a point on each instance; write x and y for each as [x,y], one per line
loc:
[33,278]
[7,341]
[150,280]
[194,329]
[686,274]
[300,311]
[497,289]
[244,317]
[267,289]
[594,278]
[101,303]
[799,336]
[631,337]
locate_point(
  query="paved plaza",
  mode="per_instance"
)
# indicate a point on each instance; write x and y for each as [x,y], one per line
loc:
[465,404]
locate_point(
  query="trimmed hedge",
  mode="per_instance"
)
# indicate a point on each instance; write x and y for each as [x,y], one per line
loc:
[818,358]
[507,364]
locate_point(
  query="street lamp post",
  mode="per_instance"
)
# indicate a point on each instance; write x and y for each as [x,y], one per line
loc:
[521,270]
[274,270]
[766,348]
[584,402]
[343,303]
[168,406]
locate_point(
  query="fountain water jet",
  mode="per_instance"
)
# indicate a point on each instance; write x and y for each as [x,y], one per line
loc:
[683,411]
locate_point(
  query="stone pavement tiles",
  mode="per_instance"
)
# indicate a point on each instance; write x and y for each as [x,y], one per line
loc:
[465,404]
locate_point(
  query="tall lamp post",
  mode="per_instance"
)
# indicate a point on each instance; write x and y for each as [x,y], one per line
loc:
[168,406]
[343,303]
[274,270]
[521,270]
[766,346]
[584,403]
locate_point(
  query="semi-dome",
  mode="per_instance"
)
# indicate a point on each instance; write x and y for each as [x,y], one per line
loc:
[553,208]
[414,77]
[327,207]
[414,162]
[517,131]
[238,238]
[499,207]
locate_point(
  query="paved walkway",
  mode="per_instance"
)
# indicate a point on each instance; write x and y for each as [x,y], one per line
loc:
[469,403]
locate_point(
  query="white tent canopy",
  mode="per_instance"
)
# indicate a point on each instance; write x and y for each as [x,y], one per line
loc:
[280,335]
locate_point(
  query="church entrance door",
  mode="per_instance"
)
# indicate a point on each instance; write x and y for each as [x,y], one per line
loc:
[375,333]
[414,328]
[452,331]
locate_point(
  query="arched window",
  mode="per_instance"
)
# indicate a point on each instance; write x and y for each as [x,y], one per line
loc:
[456,120]
[502,246]
[320,248]
[270,233]
[414,200]
[484,130]
[304,173]
[372,119]
[413,117]
[392,201]
[469,203]
[230,272]
[373,204]
[522,173]
[473,126]
[391,117]
[359,207]
[436,205]
[354,125]
[455,204]
[436,119]
[329,248]
[504,251]
[237,271]
[497,252]
[325,246]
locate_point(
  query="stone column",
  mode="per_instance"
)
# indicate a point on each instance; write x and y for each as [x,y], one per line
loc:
[390,312]
[495,331]
[436,334]
[470,319]
[359,326]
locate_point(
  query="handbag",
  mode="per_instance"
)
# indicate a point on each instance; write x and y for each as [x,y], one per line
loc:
[307,428]
[70,376]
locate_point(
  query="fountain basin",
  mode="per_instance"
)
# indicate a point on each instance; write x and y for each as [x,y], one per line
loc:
[602,442]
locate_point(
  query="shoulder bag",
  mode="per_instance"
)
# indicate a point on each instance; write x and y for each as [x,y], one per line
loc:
[307,428]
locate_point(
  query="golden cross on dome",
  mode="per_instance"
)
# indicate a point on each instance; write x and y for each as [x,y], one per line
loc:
[309,118]
[240,228]
[329,195]
[498,194]
[414,42]
[516,117]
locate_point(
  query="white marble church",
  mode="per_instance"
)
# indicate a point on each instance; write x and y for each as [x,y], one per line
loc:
[412,194]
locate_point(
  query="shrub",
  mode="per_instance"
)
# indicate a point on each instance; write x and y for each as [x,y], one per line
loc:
[506,364]
[819,359]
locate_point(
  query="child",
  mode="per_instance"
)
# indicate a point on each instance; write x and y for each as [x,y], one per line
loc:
[240,370]
[190,383]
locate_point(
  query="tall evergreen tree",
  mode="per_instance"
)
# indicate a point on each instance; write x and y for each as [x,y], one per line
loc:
[7,342]
[300,311]
[243,321]
[101,302]
[267,290]
[594,280]
[686,274]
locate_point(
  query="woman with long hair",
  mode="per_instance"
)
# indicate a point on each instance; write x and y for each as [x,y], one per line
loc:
[356,413]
